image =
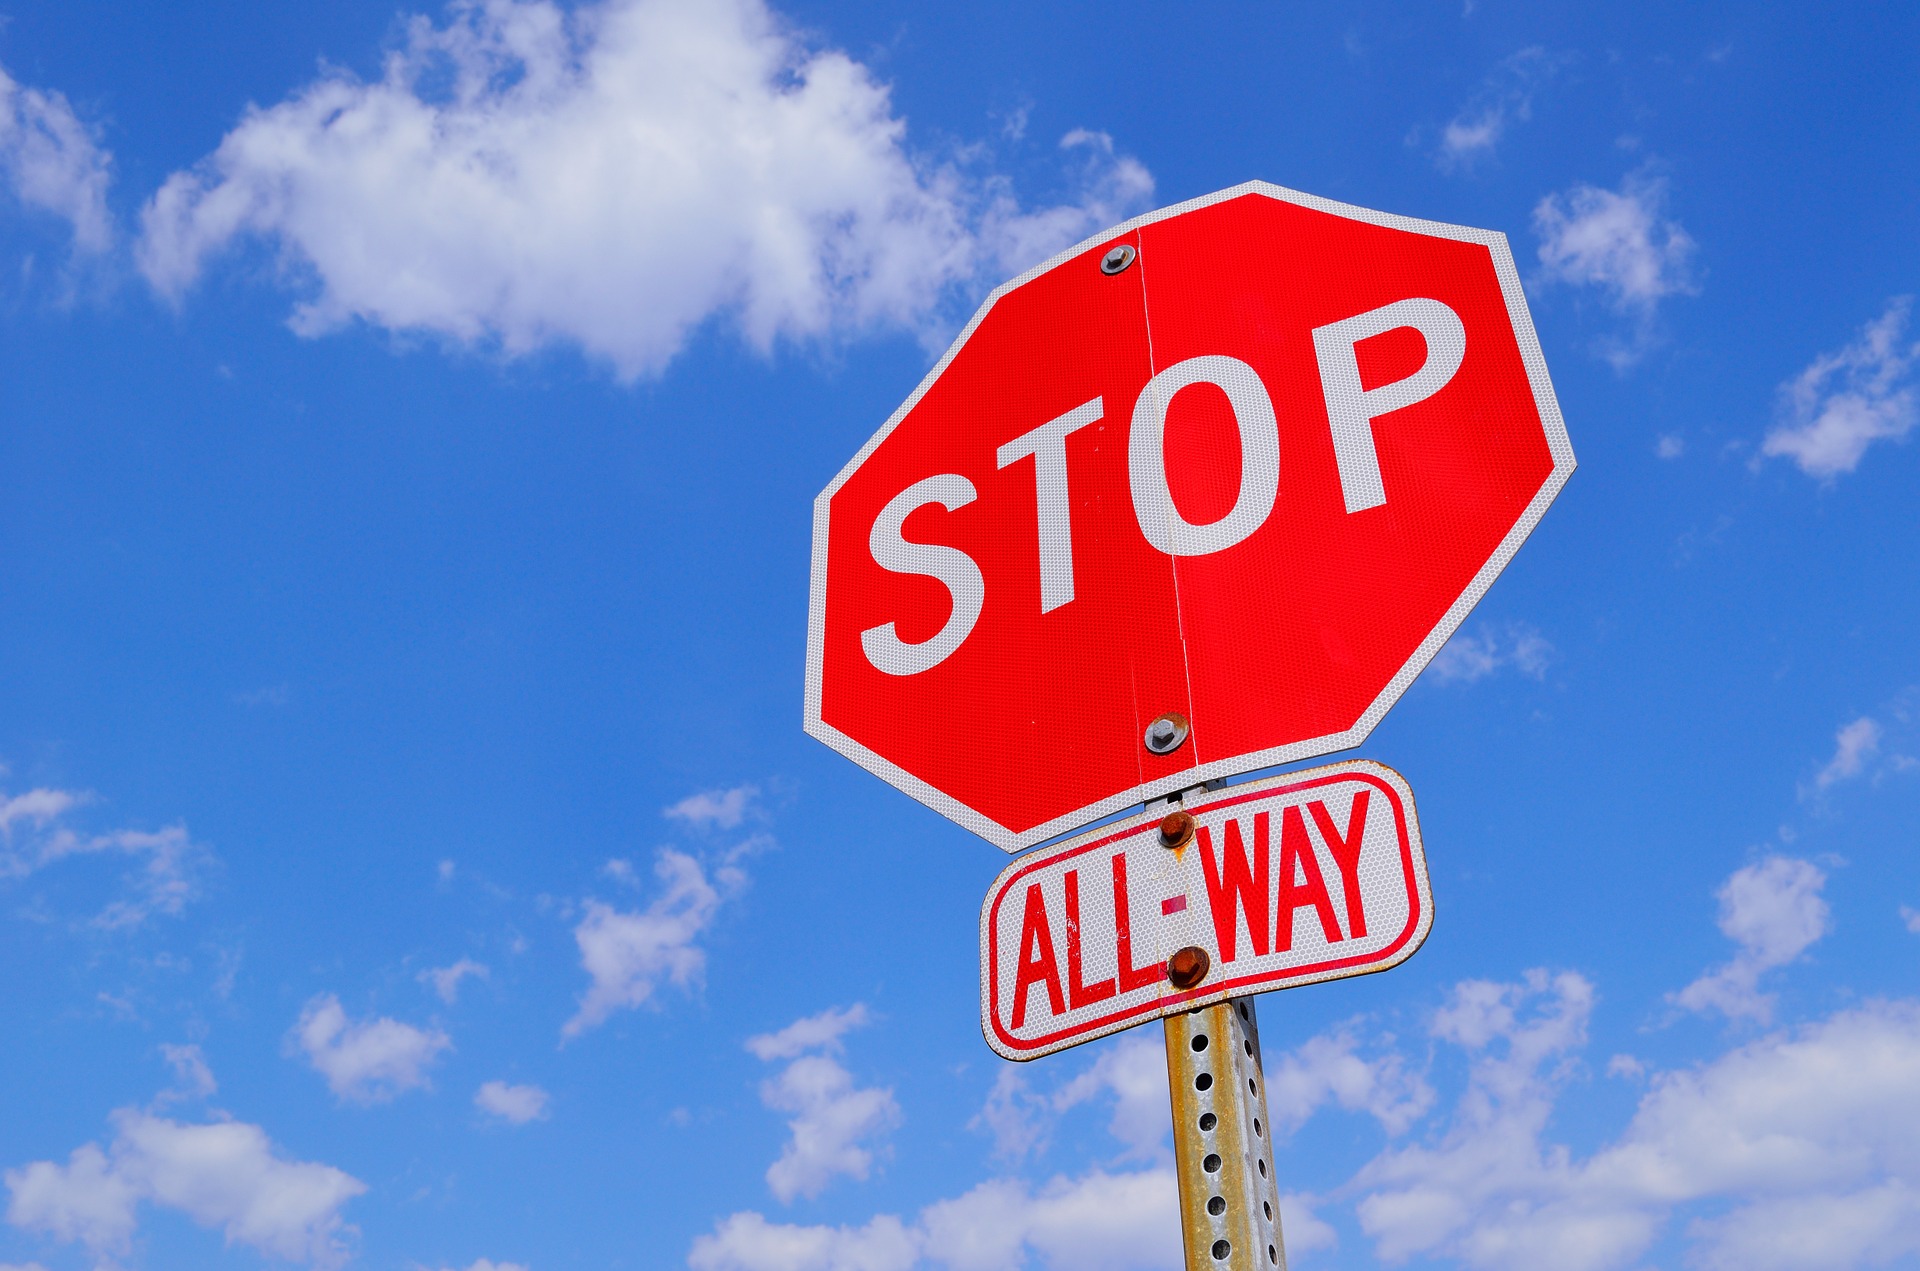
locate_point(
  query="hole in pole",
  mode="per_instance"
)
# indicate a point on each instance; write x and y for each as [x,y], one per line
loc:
[1220,1250]
[1208,1121]
[1251,1088]
[1256,1127]
[1200,1041]
[1263,1166]
[1211,1164]
[1269,1208]
[1249,1046]
[1203,1082]
[1217,1206]
[1272,1254]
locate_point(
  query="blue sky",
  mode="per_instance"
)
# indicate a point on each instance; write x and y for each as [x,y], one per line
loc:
[409,853]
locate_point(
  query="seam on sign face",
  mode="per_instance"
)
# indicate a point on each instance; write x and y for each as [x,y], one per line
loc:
[1173,562]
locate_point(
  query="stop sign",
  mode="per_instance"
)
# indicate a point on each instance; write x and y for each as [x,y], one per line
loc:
[1199,496]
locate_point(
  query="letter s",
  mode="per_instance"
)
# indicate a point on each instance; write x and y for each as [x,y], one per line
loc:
[949,566]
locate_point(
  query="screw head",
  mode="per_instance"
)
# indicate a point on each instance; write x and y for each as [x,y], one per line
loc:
[1165,733]
[1117,259]
[1176,829]
[1188,967]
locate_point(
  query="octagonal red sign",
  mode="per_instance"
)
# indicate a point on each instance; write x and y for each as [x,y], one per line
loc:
[1199,496]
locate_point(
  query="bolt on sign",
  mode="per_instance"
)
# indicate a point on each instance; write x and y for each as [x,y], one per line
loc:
[1197,497]
[1290,880]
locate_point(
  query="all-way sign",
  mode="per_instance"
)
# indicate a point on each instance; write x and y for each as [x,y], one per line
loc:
[1311,876]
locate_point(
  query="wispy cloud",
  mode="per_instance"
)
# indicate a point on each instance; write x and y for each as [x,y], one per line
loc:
[611,176]
[628,954]
[1621,243]
[1474,655]
[1853,745]
[1846,400]
[1505,99]
[1773,910]
[167,864]
[716,809]
[53,163]
[445,980]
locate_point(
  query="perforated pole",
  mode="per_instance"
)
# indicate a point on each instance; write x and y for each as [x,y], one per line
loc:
[1222,1141]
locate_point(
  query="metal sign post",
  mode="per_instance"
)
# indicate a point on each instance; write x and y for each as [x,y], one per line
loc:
[1222,1140]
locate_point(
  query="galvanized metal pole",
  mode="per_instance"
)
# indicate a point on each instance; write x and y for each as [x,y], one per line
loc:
[1229,1203]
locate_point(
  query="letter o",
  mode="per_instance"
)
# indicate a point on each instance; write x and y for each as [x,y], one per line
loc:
[1153,505]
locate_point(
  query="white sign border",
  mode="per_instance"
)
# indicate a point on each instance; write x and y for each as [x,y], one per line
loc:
[1559,445]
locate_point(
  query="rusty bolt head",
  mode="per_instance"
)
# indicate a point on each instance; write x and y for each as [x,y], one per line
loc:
[1176,829]
[1166,732]
[1188,967]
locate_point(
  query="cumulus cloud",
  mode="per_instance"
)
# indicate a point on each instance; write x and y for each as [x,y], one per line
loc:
[1853,745]
[611,176]
[1773,910]
[1328,1070]
[629,954]
[445,980]
[366,1061]
[1129,1069]
[834,1122]
[166,865]
[1505,99]
[1474,655]
[51,162]
[1847,400]
[515,1105]
[1798,1146]
[1622,243]
[224,1174]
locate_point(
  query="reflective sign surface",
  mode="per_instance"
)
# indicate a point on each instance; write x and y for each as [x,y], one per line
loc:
[1243,478]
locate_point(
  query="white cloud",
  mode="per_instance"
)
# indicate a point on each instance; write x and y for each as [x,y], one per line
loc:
[1799,1147]
[612,177]
[1670,446]
[1853,745]
[1130,1068]
[192,1079]
[488,1264]
[446,979]
[833,1121]
[716,809]
[224,1174]
[1095,1222]
[51,162]
[1327,1070]
[1847,400]
[167,864]
[1911,917]
[629,954]
[1772,909]
[1506,98]
[1621,242]
[814,1032]
[516,1105]
[1475,655]
[369,1061]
